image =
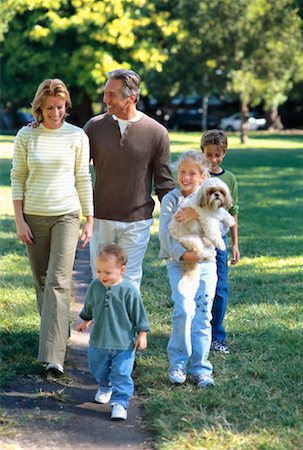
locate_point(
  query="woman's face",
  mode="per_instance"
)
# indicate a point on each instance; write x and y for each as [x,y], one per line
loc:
[53,111]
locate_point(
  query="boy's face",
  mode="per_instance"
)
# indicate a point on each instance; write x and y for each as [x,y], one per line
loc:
[108,270]
[215,156]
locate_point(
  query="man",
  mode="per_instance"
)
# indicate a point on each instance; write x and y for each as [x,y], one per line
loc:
[130,152]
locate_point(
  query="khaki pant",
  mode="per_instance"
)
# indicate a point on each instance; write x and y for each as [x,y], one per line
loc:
[52,258]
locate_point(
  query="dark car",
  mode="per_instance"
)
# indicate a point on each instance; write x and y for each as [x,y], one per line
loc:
[13,120]
[191,120]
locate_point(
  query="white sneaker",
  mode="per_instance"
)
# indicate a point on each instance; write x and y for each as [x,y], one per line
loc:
[54,369]
[176,376]
[118,412]
[102,396]
[204,380]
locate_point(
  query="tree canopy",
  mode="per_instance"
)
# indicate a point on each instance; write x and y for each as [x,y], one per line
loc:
[249,48]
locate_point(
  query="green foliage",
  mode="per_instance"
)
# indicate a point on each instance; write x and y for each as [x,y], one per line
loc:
[79,41]
[249,48]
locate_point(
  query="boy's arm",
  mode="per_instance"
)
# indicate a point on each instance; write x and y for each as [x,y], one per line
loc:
[235,245]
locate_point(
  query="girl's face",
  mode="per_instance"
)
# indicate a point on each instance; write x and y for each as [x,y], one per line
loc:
[53,111]
[189,177]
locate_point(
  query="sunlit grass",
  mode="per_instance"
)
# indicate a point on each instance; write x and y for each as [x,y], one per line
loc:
[257,401]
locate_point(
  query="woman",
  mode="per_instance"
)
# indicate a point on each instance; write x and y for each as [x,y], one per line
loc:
[50,175]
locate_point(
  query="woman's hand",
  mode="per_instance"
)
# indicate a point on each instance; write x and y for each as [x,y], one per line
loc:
[87,231]
[23,230]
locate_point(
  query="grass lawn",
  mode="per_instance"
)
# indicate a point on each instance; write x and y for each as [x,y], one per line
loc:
[257,402]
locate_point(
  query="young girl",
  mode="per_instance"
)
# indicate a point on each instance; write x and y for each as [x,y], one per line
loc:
[190,339]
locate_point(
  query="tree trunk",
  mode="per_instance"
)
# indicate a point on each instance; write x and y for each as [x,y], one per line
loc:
[204,112]
[273,120]
[244,121]
[82,109]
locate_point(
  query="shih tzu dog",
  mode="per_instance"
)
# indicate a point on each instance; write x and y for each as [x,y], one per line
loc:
[203,235]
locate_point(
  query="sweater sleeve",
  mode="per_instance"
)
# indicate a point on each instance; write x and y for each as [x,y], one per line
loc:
[163,179]
[19,170]
[234,210]
[83,176]
[170,247]
[137,313]
[87,310]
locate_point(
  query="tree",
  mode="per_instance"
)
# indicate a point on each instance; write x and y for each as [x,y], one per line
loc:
[78,41]
[251,48]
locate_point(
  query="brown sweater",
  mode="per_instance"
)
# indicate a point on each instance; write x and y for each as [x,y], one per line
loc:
[128,167]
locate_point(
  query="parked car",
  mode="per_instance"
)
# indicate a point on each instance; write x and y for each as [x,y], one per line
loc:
[233,122]
[13,120]
[191,120]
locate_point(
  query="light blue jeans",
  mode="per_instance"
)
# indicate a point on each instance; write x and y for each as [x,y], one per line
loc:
[133,237]
[112,370]
[190,339]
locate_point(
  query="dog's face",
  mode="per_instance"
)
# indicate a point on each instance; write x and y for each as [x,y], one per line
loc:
[214,194]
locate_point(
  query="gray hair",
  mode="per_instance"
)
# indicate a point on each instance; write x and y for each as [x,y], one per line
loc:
[130,80]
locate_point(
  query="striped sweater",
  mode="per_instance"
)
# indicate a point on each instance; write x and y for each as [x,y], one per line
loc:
[50,170]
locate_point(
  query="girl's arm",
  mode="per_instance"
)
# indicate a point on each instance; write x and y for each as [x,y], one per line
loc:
[185,215]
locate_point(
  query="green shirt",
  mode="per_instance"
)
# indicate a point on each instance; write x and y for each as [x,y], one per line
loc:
[229,178]
[118,314]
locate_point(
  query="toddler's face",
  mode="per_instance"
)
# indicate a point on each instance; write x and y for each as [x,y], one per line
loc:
[215,156]
[108,271]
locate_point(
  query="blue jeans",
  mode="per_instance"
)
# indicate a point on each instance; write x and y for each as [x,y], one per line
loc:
[112,370]
[190,339]
[221,297]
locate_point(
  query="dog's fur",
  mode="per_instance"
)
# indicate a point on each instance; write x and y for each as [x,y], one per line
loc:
[203,235]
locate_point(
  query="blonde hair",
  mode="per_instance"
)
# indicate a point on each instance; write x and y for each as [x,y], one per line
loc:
[198,158]
[113,250]
[214,137]
[51,87]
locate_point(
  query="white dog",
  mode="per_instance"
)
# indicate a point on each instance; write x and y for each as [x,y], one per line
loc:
[203,235]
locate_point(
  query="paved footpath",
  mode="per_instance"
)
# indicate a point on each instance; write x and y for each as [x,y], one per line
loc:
[48,414]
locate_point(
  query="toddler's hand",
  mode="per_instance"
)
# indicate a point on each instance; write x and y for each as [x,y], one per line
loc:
[141,341]
[83,326]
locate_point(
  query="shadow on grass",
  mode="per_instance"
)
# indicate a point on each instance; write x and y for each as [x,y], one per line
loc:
[5,168]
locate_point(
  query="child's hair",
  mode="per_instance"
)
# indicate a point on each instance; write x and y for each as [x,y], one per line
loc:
[198,158]
[214,137]
[113,250]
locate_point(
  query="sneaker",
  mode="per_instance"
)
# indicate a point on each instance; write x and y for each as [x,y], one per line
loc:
[203,380]
[103,396]
[176,376]
[54,369]
[220,346]
[118,412]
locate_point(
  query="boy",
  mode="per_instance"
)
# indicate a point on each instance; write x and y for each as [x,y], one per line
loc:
[120,327]
[214,147]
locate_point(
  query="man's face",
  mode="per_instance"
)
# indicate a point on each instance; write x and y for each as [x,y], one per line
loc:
[115,102]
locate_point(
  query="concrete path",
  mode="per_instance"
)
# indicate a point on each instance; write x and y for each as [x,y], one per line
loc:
[47,414]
